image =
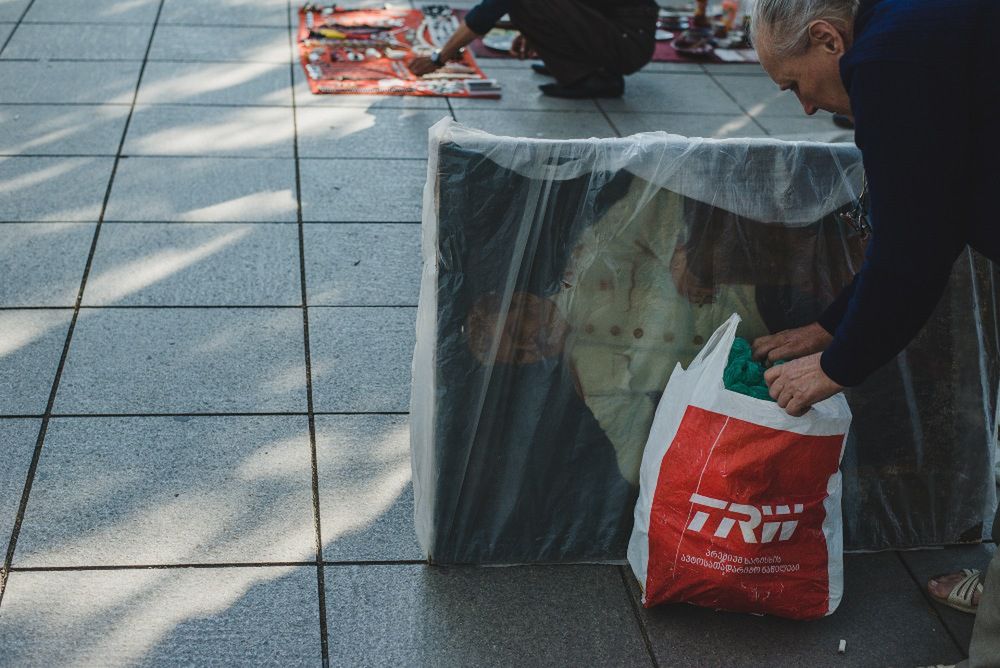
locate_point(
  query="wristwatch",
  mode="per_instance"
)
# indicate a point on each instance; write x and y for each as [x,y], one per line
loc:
[436,57]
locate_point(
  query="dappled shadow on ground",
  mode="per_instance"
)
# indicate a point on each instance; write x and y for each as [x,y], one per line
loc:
[202,490]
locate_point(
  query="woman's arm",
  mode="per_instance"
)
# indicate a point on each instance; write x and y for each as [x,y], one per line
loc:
[911,123]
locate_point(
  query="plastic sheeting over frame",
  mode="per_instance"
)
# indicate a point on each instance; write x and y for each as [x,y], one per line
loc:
[562,282]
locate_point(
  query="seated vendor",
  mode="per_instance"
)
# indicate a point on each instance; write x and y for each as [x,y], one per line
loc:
[587,45]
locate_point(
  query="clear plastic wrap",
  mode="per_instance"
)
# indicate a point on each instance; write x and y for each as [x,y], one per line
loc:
[562,282]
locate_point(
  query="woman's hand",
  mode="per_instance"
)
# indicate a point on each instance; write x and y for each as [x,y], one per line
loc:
[799,384]
[792,343]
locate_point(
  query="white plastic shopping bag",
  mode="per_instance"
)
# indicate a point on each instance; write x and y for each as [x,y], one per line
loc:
[739,502]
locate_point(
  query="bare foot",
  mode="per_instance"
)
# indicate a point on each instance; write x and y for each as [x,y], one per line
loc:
[940,586]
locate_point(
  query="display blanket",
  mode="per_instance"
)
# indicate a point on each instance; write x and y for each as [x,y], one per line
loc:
[368,52]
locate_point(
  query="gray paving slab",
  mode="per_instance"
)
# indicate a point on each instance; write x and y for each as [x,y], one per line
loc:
[538,124]
[58,189]
[819,126]
[196,264]
[662,92]
[203,190]
[488,64]
[742,69]
[388,191]
[11,10]
[61,130]
[356,132]
[185,361]
[366,498]
[717,126]
[261,84]
[760,96]
[226,12]
[925,564]
[42,263]
[5,28]
[304,98]
[172,491]
[83,41]
[260,132]
[17,445]
[93,11]
[30,347]
[520,91]
[672,68]
[363,264]
[428,616]
[162,617]
[221,44]
[499,63]
[361,358]
[46,82]
[883,618]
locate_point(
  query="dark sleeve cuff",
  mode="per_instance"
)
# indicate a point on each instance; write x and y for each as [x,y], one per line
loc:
[837,366]
[481,18]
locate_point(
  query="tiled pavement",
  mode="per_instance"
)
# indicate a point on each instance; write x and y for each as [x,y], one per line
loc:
[206,318]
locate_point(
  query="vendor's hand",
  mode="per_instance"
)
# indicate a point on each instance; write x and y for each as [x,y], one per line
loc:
[422,65]
[792,343]
[521,48]
[799,384]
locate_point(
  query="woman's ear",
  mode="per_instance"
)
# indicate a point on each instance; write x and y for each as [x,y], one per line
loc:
[827,37]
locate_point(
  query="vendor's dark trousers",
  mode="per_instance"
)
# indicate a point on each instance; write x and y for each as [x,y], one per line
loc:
[578,38]
[984,650]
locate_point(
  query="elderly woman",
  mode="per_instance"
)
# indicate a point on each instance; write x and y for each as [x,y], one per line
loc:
[920,79]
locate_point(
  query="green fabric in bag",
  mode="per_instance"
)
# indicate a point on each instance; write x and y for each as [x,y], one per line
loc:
[744,374]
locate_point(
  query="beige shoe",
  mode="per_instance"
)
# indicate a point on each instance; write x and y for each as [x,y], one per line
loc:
[962,593]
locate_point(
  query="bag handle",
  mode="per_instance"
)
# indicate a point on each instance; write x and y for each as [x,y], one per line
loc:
[716,351]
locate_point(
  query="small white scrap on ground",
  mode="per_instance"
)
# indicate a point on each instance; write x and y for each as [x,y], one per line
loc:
[843,646]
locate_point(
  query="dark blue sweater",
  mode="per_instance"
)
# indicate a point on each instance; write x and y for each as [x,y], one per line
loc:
[924,82]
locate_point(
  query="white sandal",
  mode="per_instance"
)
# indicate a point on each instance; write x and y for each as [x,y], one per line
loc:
[961,595]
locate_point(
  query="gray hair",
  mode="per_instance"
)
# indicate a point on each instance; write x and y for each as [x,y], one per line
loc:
[787,21]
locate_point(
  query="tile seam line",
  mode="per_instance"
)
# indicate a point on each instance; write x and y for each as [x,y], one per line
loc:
[170,24]
[204,307]
[636,613]
[203,156]
[43,428]
[732,97]
[215,222]
[324,635]
[136,60]
[3,48]
[361,106]
[614,128]
[347,563]
[932,608]
[84,416]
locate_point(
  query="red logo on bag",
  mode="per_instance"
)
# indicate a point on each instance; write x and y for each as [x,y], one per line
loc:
[737,518]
